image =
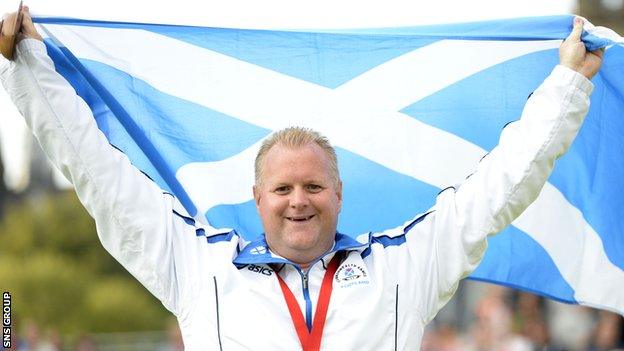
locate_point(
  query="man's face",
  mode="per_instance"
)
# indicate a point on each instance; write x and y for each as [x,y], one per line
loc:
[298,202]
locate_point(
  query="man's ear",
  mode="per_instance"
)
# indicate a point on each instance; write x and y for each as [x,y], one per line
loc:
[339,192]
[256,195]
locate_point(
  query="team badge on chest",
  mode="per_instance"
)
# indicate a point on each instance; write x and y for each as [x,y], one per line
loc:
[351,274]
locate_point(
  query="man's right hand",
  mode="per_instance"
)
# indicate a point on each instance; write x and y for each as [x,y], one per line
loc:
[9,38]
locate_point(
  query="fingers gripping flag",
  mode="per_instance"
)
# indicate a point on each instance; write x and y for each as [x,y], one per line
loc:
[410,110]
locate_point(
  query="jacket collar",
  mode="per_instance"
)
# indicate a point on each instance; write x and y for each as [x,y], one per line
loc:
[257,251]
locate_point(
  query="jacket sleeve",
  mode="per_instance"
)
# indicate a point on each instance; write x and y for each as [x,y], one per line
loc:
[450,242]
[134,218]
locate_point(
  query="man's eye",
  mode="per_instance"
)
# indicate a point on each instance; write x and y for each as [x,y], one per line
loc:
[314,188]
[282,190]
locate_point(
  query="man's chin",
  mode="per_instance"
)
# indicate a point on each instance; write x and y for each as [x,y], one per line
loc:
[303,245]
[306,242]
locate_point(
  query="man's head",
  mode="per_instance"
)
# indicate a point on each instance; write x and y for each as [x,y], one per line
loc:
[298,193]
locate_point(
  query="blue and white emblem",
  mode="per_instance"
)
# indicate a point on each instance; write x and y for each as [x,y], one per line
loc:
[350,275]
[259,250]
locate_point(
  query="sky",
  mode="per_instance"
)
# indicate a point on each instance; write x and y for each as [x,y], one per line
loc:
[265,14]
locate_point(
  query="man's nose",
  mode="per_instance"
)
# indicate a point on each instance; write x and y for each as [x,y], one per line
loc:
[299,198]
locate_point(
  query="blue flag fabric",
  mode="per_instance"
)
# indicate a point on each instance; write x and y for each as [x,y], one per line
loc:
[410,111]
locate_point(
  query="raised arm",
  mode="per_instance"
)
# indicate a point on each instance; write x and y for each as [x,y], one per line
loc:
[452,239]
[135,220]
[510,178]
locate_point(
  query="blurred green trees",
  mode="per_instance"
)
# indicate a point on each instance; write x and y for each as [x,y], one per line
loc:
[58,274]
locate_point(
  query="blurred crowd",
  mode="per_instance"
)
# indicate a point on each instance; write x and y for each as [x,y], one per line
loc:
[486,317]
[32,339]
[481,317]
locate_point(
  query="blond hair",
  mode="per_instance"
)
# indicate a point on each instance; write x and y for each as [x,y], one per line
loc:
[296,137]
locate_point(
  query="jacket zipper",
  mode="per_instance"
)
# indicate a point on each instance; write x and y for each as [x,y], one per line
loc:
[306,292]
[306,296]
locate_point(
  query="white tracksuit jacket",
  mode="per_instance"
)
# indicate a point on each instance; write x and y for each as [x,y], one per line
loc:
[226,296]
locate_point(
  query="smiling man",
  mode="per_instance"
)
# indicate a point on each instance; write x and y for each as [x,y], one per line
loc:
[298,194]
[302,285]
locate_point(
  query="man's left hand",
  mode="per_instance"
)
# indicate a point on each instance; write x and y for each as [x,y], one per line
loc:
[572,53]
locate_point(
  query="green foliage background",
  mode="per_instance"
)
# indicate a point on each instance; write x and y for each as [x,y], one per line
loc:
[59,276]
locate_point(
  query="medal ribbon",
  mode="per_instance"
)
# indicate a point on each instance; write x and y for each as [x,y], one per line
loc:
[311,340]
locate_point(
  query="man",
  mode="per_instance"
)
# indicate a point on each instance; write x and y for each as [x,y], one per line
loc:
[301,285]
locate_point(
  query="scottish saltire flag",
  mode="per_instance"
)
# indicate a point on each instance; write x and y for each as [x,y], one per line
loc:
[410,110]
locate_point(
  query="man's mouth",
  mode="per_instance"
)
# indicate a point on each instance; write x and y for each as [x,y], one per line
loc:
[300,218]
